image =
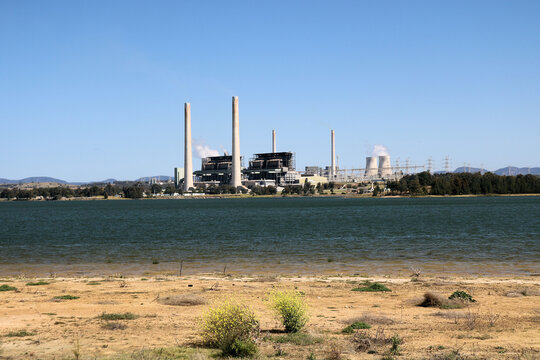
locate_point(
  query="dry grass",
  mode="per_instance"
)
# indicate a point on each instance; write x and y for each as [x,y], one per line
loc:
[183,300]
[113,325]
[371,319]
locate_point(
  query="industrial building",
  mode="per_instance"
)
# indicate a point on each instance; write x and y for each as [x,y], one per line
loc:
[215,170]
[271,166]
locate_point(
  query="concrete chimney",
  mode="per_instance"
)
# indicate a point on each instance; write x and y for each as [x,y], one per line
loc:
[273,141]
[236,179]
[333,161]
[188,160]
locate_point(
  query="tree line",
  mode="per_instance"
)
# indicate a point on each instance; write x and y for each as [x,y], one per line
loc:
[425,183]
[135,191]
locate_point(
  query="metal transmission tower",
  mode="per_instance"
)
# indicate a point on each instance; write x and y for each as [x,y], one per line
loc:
[447,164]
[407,167]
[430,164]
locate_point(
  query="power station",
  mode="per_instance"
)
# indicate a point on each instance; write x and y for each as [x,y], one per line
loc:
[273,168]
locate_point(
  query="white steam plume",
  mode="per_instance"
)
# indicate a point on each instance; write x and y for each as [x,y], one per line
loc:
[380,150]
[202,150]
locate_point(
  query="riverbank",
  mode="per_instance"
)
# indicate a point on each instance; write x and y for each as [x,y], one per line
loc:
[42,321]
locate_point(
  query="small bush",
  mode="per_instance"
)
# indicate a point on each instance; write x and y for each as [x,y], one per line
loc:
[65,297]
[396,341]
[432,300]
[5,287]
[243,348]
[230,327]
[355,326]
[37,283]
[461,295]
[289,305]
[22,333]
[121,316]
[372,287]
[93,283]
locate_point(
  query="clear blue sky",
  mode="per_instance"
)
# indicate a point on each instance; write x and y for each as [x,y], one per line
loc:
[95,89]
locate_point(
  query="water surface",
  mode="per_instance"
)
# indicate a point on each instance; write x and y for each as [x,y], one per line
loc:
[282,235]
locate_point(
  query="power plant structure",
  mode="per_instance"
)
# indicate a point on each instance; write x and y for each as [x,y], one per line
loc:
[274,168]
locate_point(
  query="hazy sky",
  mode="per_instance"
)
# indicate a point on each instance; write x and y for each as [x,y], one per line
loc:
[95,89]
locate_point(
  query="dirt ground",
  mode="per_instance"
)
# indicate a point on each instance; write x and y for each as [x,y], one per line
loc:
[502,324]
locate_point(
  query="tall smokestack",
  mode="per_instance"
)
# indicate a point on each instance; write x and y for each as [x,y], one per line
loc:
[236,179]
[333,161]
[273,141]
[188,161]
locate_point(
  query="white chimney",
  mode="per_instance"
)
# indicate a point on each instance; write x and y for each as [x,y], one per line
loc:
[236,179]
[188,161]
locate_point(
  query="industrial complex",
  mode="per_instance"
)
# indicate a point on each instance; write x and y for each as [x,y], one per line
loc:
[273,168]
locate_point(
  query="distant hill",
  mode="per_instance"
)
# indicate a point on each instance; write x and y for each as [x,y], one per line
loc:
[41,179]
[509,170]
[46,179]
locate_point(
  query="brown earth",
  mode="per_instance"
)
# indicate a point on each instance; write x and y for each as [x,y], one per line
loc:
[502,324]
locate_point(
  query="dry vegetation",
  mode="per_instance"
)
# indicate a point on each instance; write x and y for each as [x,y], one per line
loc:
[160,317]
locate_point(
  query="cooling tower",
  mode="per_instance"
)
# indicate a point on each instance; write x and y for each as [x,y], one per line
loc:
[385,169]
[236,179]
[371,166]
[188,160]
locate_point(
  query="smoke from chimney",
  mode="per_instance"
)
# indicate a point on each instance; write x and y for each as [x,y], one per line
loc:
[202,150]
[380,150]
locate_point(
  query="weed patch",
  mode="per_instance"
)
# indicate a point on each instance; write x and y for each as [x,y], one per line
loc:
[298,338]
[37,283]
[461,295]
[66,297]
[118,316]
[21,333]
[372,287]
[355,326]
[5,287]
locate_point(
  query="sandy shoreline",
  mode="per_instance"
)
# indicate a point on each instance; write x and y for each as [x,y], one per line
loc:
[505,322]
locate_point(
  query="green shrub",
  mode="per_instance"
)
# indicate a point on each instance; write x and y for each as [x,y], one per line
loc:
[22,333]
[231,327]
[5,287]
[372,287]
[121,316]
[396,341]
[41,282]
[354,326]
[65,297]
[290,307]
[461,295]
[243,348]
